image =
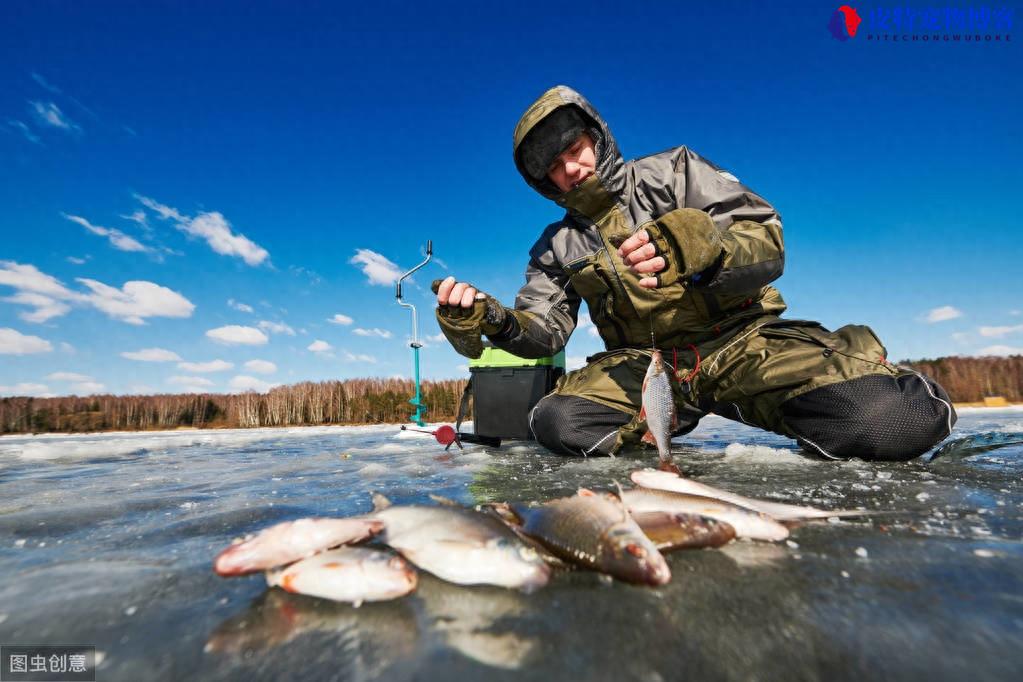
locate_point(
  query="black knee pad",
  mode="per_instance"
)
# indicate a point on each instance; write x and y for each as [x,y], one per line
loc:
[570,425]
[877,417]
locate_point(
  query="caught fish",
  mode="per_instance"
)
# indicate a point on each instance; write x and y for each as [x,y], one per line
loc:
[598,533]
[351,574]
[291,541]
[658,408]
[746,522]
[663,480]
[460,545]
[669,531]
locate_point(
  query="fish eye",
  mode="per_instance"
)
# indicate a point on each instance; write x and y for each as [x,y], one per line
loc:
[635,550]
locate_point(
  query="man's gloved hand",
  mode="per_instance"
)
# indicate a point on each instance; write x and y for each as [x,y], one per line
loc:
[678,245]
[465,314]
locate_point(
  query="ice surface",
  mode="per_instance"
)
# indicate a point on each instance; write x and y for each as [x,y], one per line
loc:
[108,539]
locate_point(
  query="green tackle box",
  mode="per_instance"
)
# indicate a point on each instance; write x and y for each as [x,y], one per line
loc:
[506,387]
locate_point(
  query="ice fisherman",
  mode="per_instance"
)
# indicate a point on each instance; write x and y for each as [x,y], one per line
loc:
[672,246]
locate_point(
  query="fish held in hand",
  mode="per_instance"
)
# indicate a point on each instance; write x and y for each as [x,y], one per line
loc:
[746,522]
[291,541]
[461,545]
[659,408]
[349,574]
[592,531]
[661,480]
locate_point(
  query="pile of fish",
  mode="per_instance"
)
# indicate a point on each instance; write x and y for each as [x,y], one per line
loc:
[621,534]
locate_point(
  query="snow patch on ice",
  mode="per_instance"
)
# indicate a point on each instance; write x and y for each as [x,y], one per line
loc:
[115,444]
[761,454]
[374,469]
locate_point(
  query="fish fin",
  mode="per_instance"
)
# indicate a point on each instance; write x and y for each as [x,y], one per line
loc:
[648,437]
[674,421]
[585,492]
[446,501]
[502,512]
[642,414]
[620,500]
[380,502]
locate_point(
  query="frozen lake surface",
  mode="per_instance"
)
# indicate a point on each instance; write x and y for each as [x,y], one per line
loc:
[107,540]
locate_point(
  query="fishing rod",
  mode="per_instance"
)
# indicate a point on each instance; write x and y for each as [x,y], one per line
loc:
[416,401]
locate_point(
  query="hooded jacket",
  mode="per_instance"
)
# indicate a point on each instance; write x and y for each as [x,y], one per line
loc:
[576,259]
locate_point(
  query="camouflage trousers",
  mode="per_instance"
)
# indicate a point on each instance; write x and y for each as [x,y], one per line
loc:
[834,392]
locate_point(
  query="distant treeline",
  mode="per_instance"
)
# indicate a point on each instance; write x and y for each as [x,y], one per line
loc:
[374,401]
[355,401]
[969,380]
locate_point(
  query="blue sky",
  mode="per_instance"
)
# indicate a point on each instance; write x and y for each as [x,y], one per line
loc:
[184,186]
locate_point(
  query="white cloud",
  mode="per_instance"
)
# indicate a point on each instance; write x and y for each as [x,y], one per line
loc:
[137,217]
[190,381]
[45,85]
[68,376]
[51,115]
[261,366]
[136,301]
[74,260]
[26,389]
[239,306]
[29,278]
[141,389]
[165,212]
[118,239]
[1000,331]
[382,333]
[67,348]
[945,312]
[152,355]
[214,228]
[275,327]
[13,342]
[46,308]
[353,357]
[462,368]
[88,387]
[24,130]
[1000,350]
[379,270]
[236,335]
[575,362]
[203,367]
[319,346]
[247,383]
[340,319]
[585,323]
[436,338]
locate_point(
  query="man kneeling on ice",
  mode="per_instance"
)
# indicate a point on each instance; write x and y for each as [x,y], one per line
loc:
[671,251]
